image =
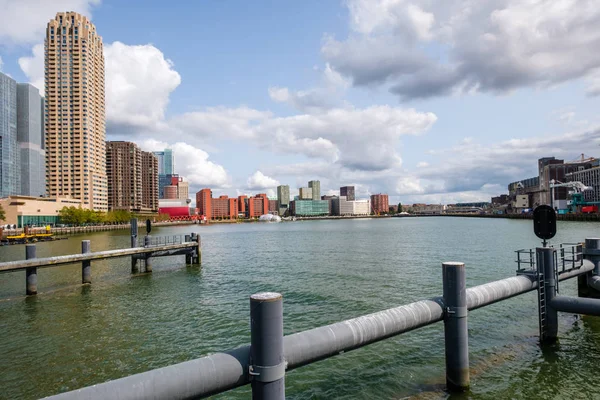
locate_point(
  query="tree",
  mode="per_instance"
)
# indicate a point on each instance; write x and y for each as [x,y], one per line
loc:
[399,207]
[2,214]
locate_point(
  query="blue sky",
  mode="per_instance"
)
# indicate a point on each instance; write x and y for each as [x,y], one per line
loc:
[427,103]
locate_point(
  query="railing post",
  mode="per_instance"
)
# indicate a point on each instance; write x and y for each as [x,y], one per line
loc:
[455,326]
[86,266]
[548,315]
[188,255]
[147,243]
[267,365]
[134,233]
[590,252]
[30,273]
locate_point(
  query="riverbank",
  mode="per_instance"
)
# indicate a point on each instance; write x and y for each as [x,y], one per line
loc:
[559,217]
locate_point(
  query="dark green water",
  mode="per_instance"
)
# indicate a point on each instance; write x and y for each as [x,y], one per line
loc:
[71,336]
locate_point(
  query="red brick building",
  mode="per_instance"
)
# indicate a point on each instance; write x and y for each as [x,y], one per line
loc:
[216,208]
[258,205]
[242,204]
[380,204]
[273,207]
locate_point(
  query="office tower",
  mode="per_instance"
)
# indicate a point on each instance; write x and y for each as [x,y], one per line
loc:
[10,177]
[30,135]
[283,199]
[305,193]
[316,189]
[149,181]
[348,192]
[166,167]
[75,111]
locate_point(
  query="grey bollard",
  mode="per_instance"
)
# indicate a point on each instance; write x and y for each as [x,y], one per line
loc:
[188,255]
[456,333]
[267,364]
[147,243]
[545,258]
[30,273]
[86,266]
[592,253]
[134,261]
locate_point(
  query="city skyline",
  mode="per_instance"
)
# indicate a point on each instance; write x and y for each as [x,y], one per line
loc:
[311,111]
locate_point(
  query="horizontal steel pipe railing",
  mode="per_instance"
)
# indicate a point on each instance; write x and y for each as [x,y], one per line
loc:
[224,371]
[594,282]
[576,305]
[75,258]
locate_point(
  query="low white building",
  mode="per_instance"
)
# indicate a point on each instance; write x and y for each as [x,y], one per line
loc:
[361,207]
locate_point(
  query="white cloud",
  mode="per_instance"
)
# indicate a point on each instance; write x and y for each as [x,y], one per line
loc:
[33,67]
[489,46]
[24,21]
[193,164]
[139,80]
[259,181]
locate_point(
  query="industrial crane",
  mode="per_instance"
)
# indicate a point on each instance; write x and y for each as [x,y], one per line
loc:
[576,193]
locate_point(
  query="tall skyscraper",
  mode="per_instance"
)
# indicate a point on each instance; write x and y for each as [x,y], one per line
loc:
[166,167]
[316,189]
[30,135]
[75,111]
[10,177]
[283,199]
[149,181]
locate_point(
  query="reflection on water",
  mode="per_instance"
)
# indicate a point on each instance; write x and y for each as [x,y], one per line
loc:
[71,336]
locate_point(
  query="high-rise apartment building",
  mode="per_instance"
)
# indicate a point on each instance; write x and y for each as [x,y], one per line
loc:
[10,177]
[30,135]
[128,168]
[149,181]
[316,189]
[75,111]
[348,192]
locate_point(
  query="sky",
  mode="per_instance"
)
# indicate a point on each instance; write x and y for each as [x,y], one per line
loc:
[427,101]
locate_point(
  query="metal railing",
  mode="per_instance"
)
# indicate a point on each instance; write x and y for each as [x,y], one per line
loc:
[263,363]
[161,240]
[569,257]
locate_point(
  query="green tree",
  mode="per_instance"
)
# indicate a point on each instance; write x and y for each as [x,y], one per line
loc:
[399,207]
[2,214]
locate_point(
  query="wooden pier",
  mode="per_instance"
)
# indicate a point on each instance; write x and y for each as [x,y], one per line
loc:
[153,247]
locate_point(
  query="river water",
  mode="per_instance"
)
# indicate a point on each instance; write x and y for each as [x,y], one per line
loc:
[71,336]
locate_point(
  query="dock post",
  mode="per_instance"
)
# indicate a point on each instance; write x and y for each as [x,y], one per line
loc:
[547,280]
[147,243]
[188,255]
[134,232]
[86,266]
[267,364]
[198,250]
[30,273]
[590,252]
[455,326]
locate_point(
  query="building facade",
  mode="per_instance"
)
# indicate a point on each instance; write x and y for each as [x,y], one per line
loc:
[27,210]
[348,192]
[258,205]
[126,166]
[380,203]
[283,199]
[75,111]
[589,177]
[305,193]
[310,208]
[222,207]
[30,136]
[149,181]
[315,186]
[166,167]
[10,177]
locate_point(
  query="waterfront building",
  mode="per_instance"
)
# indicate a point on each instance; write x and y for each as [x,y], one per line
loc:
[166,168]
[551,168]
[315,186]
[361,207]
[342,207]
[174,187]
[348,192]
[75,111]
[30,137]
[222,207]
[258,205]
[10,177]
[273,209]
[310,208]
[305,193]
[589,177]
[40,211]
[174,208]
[427,208]
[149,181]
[125,170]
[242,205]
[380,203]
[283,199]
